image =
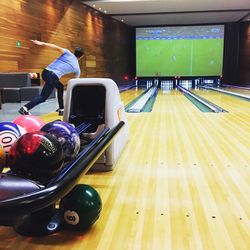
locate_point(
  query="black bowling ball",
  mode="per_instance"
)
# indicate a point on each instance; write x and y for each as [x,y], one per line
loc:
[37,156]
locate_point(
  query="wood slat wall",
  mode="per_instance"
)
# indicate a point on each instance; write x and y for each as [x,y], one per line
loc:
[67,23]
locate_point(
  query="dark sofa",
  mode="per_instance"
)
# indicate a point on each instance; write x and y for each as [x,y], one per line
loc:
[17,87]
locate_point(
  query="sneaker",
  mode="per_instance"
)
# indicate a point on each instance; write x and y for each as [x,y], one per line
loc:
[24,111]
[60,111]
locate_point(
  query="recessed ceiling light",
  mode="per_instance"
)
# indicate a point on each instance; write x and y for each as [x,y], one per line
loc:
[105,11]
[100,9]
[122,20]
[93,5]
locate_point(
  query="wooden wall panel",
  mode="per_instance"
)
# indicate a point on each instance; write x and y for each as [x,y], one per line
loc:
[108,44]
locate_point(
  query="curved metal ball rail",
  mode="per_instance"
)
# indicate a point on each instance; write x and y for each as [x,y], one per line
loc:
[39,197]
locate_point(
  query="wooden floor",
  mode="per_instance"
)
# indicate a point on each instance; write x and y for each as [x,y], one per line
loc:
[182,182]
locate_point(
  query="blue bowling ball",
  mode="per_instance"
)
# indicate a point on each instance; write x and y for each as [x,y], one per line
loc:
[9,133]
[67,135]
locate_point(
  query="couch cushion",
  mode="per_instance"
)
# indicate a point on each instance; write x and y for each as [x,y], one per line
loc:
[14,80]
[11,95]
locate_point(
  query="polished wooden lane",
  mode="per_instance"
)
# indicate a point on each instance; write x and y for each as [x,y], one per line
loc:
[131,94]
[230,103]
[239,90]
[182,182]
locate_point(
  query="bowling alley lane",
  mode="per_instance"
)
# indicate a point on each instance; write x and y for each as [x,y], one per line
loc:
[182,171]
[131,94]
[242,91]
[225,101]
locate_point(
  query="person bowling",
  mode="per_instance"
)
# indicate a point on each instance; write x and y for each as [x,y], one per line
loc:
[66,63]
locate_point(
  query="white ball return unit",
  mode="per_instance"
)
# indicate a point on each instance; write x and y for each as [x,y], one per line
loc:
[97,101]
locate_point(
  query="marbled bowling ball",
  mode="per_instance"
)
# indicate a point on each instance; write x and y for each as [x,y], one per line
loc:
[67,135]
[9,133]
[37,156]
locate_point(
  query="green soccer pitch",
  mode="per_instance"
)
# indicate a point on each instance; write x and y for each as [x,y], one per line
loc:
[180,57]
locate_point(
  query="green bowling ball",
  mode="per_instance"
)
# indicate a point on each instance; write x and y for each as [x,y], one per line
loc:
[81,207]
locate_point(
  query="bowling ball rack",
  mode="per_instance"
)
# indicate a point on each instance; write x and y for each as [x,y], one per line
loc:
[30,207]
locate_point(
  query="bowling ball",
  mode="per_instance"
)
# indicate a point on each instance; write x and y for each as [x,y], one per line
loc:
[67,135]
[2,159]
[31,75]
[37,156]
[9,133]
[81,207]
[30,123]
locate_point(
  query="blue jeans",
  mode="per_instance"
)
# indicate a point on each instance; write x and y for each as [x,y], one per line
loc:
[51,82]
